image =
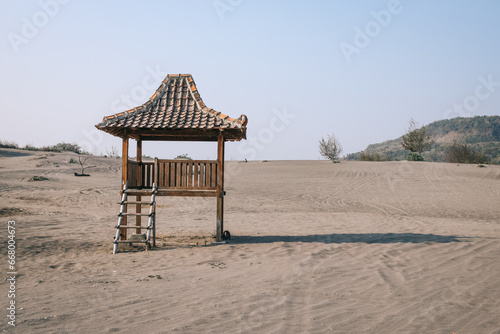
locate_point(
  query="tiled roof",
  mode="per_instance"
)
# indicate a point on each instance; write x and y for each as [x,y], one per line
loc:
[175,109]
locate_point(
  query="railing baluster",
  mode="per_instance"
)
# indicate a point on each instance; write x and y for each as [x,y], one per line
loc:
[183,174]
[196,175]
[206,176]
[213,179]
[190,175]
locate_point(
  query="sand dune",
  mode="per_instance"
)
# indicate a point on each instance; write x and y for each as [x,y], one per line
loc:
[355,247]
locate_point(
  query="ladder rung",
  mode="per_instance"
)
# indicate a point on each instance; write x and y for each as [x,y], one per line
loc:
[131,241]
[143,203]
[135,214]
[132,226]
[133,192]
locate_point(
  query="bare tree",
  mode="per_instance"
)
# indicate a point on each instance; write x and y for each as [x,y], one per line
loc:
[416,138]
[113,153]
[330,148]
[83,168]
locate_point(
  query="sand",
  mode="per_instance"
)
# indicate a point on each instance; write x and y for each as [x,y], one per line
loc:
[355,247]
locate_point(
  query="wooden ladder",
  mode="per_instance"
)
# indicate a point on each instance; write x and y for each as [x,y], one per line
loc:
[150,234]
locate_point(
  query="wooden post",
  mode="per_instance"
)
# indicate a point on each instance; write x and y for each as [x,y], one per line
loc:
[156,168]
[124,180]
[139,160]
[124,158]
[220,187]
[138,207]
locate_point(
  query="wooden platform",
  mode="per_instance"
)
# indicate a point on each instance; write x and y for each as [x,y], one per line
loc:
[174,192]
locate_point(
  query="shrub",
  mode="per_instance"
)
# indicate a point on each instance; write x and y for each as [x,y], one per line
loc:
[8,144]
[372,156]
[462,153]
[66,147]
[416,138]
[414,156]
[113,153]
[353,156]
[29,147]
[62,146]
[183,157]
[330,148]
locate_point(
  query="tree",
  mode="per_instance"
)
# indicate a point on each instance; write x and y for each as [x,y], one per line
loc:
[416,138]
[330,148]
[462,153]
[113,153]
[83,168]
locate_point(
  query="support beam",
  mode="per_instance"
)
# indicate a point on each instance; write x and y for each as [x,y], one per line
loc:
[124,159]
[220,187]
[139,149]
[156,172]
[123,231]
[138,207]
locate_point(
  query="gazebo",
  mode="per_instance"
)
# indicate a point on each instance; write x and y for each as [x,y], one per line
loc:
[175,112]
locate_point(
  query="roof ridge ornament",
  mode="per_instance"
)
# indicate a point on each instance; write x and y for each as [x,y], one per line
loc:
[243,120]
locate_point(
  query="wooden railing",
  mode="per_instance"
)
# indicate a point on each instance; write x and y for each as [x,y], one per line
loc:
[174,174]
[132,174]
[140,174]
[187,174]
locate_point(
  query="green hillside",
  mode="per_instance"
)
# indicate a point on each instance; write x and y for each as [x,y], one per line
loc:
[480,133]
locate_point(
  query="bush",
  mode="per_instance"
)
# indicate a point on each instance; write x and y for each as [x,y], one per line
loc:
[66,147]
[8,144]
[416,138]
[414,156]
[372,156]
[352,156]
[330,148]
[462,153]
[62,146]
[183,157]
[113,153]
[29,147]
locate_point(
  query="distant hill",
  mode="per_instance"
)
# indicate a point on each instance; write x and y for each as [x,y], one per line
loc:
[480,133]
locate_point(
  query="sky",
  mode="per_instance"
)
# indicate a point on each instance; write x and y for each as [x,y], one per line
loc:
[299,70]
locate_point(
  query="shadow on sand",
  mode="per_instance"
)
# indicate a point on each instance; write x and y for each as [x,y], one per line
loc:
[7,153]
[368,238]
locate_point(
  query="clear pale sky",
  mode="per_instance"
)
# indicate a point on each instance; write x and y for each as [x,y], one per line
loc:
[298,69]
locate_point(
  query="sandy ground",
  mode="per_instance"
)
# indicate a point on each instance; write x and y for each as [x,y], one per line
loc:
[355,247]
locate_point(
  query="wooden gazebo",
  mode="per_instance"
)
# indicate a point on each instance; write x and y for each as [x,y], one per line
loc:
[175,112]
